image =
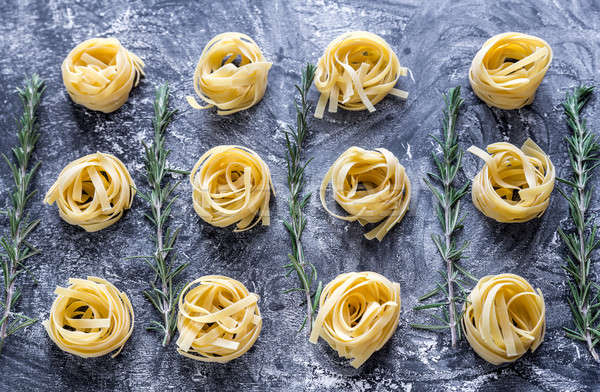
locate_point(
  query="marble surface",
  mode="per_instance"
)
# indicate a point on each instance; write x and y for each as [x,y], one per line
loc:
[436,40]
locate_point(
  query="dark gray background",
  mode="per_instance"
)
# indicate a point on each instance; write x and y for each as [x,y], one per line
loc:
[436,40]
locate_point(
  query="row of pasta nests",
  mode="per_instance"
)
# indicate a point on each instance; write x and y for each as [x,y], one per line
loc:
[219,320]
[356,71]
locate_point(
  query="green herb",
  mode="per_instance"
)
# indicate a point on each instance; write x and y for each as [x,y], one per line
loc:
[447,208]
[584,156]
[305,270]
[163,294]
[16,247]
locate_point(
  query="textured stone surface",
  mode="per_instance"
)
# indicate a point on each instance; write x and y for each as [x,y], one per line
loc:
[437,40]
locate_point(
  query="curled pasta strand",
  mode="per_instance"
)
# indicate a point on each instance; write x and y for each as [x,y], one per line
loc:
[99,74]
[231,184]
[503,318]
[90,318]
[218,319]
[370,186]
[357,70]
[92,192]
[220,82]
[514,184]
[508,69]
[358,313]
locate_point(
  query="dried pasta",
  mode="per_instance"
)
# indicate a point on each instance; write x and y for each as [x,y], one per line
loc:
[90,318]
[99,74]
[508,69]
[514,184]
[357,70]
[218,319]
[358,313]
[93,191]
[370,186]
[220,82]
[503,318]
[231,184]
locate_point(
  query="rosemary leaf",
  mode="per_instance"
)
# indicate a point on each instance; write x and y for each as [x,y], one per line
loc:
[583,151]
[447,209]
[310,286]
[163,294]
[16,248]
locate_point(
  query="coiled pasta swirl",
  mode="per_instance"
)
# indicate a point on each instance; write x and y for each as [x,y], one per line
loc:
[508,69]
[99,74]
[358,313]
[357,70]
[90,318]
[503,318]
[370,186]
[93,191]
[220,82]
[515,183]
[231,184]
[218,319]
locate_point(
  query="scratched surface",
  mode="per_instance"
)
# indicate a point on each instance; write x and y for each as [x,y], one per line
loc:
[436,40]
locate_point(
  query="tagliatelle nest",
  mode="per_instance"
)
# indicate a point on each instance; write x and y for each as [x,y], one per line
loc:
[232,184]
[218,319]
[503,318]
[90,318]
[99,74]
[93,191]
[231,74]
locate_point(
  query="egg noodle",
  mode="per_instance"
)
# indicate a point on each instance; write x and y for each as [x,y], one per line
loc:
[231,74]
[231,184]
[99,74]
[370,186]
[90,318]
[515,183]
[357,70]
[358,313]
[508,69]
[93,191]
[218,319]
[503,318]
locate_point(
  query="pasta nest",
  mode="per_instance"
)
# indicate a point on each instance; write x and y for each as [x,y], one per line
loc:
[92,192]
[231,74]
[231,184]
[99,74]
[218,319]
[357,70]
[503,318]
[358,313]
[370,186]
[508,69]
[90,318]
[515,183]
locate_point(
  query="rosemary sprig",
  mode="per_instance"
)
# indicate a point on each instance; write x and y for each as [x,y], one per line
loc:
[584,156]
[16,248]
[305,270]
[447,210]
[163,294]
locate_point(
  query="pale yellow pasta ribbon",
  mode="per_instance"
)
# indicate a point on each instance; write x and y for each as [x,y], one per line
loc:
[218,319]
[220,82]
[231,184]
[370,186]
[99,74]
[358,314]
[503,318]
[90,318]
[515,183]
[93,191]
[508,69]
[357,70]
